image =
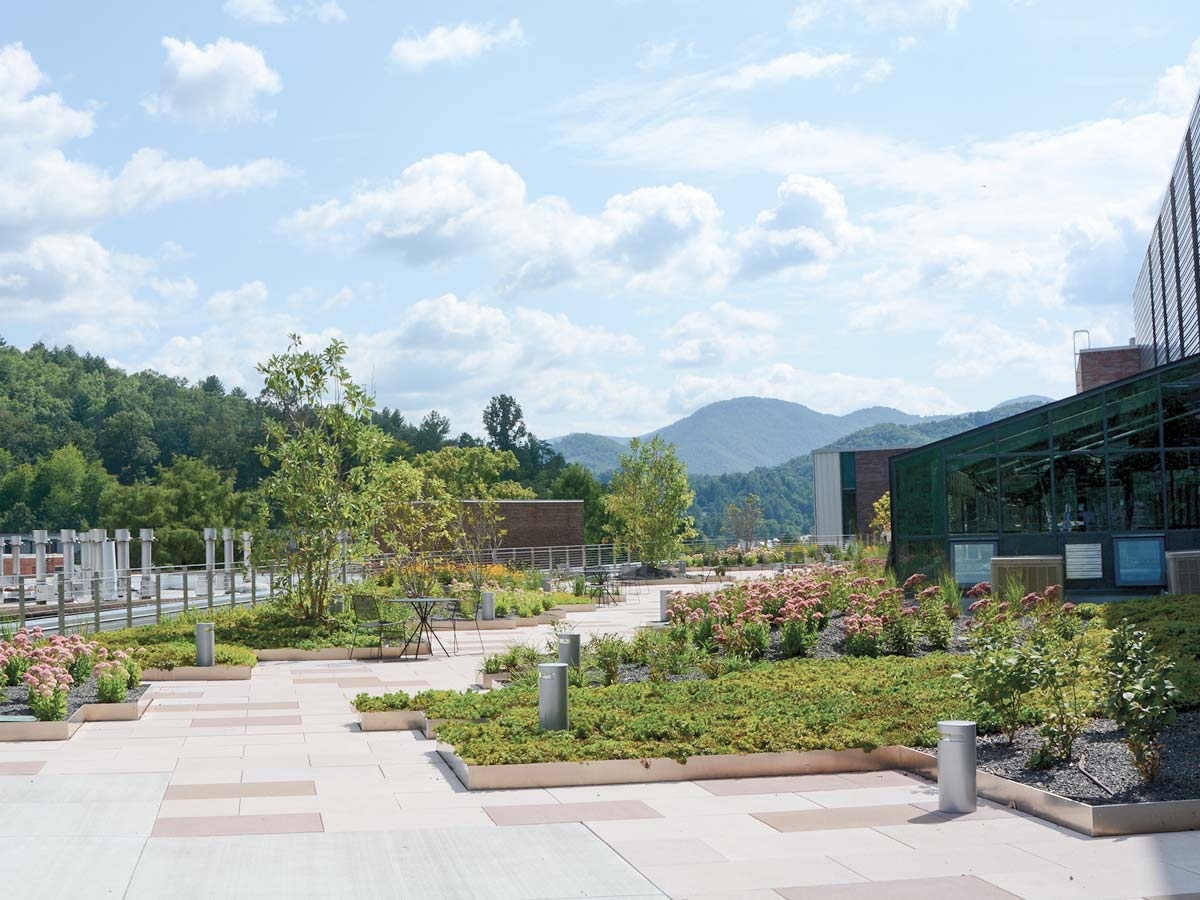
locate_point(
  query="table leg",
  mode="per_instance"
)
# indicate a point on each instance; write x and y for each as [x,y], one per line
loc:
[423,614]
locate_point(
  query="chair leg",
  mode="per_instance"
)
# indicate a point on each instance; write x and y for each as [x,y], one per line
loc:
[454,629]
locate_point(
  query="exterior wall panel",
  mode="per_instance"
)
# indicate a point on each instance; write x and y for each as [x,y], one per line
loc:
[827,494]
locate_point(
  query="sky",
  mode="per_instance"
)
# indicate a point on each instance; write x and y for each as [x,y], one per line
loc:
[616,212]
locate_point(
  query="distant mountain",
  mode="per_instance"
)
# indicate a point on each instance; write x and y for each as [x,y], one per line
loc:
[1026,402]
[738,435]
[893,435]
[595,451]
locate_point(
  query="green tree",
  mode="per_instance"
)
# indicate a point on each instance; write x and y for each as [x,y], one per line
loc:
[475,473]
[881,522]
[415,515]
[648,501]
[744,519]
[321,450]
[431,434]
[504,423]
[576,482]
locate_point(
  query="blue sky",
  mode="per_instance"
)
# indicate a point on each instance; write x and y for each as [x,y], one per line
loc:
[617,212]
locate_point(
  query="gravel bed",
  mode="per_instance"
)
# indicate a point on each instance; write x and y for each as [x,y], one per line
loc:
[831,642]
[1100,754]
[13,699]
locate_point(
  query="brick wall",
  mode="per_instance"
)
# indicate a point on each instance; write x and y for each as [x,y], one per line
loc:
[541,523]
[29,563]
[871,482]
[1096,368]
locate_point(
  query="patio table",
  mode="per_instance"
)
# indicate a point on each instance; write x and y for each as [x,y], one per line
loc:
[423,607]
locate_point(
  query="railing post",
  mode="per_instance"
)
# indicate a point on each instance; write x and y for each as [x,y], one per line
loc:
[271,582]
[158,598]
[128,602]
[253,588]
[20,605]
[232,586]
[185,590]
[210,591]
[62,610]
[96,600]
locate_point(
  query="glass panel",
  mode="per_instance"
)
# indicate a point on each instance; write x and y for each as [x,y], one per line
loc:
[1133,415]
[1139,560]
[1080,426]
[918,494]
[1025,434]
[1183,489]
[1181,407]
[972,506]
[847,462]
[981,440]
[920,556]
[849,512]
[1081,488]
[972,560]
[1135,491]
[1025,495]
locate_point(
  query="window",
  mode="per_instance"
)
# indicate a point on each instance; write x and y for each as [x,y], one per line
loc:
[1025,495]
[1139,561]
[1183,489]
[972,506]
[1135,491]
[1080,426]
[1028,434]
[972,561]
[918,487]
[1081,493]
[1181,408]
[1132,413]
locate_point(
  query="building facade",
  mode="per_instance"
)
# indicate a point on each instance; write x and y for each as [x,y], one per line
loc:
[846,484]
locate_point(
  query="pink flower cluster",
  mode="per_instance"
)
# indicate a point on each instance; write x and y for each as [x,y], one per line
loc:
[45,680]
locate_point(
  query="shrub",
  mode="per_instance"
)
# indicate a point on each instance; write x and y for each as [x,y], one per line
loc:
[48,686]
[1058,668]
[388,702]
[999,678]
[609,650]
[935,625]
[112,681]
[170,656]
[1141,700]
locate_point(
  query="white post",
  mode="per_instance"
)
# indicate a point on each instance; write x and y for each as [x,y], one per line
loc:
[122,558]
[108,564]
[67,538]
[146,536]
[15,541]
[40,537]
[227,536]
[210,550]
[247,541]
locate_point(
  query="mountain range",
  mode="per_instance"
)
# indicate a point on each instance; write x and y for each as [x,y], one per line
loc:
[748,433]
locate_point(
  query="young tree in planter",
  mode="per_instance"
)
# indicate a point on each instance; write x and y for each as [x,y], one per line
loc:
[320,449]
[648,500]
[416,516]
[881,523]
[744,519]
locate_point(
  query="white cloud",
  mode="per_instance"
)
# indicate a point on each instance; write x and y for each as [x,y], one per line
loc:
[1175,91]
[174,290]
[268,12]
[805,15]
[39,120]
[172,251]
[720,335]
[453,205]
[878,71]
[661,54]
[240,301]
[219,82]
[807,226]
[457,44]
[785,68]
[151,179]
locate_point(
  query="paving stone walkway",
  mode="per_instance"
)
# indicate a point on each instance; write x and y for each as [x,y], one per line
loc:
[267,789]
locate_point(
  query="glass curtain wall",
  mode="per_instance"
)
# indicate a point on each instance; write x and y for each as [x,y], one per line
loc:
[1119,462]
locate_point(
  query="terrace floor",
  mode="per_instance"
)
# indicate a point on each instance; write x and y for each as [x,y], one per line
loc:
[267,789]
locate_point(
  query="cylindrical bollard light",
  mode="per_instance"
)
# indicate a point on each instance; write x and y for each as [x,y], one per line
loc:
[956,767]
[664,605]
[568,649]
[487,601]
[206,652]
[682,567]
[552,696]
[547,585]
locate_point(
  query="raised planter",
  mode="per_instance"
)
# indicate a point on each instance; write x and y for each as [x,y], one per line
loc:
[89,712]
[198,673]
[292,654]
[1095,821]
[393,720]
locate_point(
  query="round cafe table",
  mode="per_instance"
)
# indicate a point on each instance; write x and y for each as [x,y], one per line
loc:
[423,607]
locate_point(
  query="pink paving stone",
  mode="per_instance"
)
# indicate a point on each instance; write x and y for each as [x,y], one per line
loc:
[20,768]
[785,784]
[547,813]
[966,887]
[208,826]
[848,817]
[234,707]
[235,721]
[212,791]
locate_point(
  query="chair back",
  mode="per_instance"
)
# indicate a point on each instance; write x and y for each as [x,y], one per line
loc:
[366,607]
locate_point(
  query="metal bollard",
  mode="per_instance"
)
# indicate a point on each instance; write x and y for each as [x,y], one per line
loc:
[956,767]
[664,605]
[568,649]
[552,697]
[487,601]
[547,585]
[206,652]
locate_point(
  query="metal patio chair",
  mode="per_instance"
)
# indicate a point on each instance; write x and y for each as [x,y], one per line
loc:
[451,610]
[368,617]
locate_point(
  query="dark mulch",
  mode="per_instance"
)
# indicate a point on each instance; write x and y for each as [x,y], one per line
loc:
[631,673]
[13,699]
[1099,753]
[831,644]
